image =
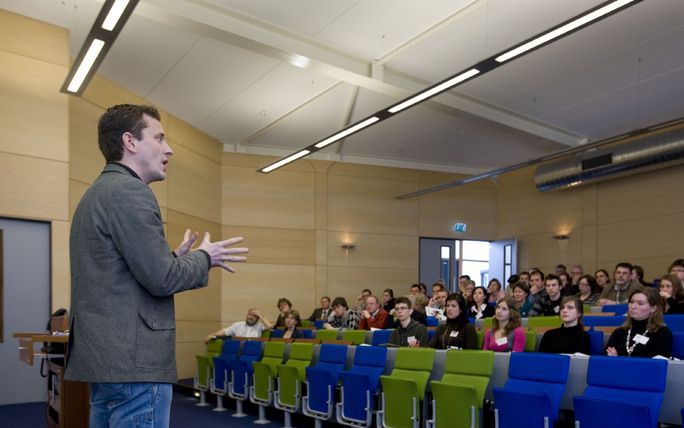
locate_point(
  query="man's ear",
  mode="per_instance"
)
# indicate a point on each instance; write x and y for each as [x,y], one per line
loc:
[129,142]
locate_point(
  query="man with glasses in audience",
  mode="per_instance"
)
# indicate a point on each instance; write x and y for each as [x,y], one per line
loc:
[408,331]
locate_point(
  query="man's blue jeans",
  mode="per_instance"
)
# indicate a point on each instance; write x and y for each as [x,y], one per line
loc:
[135,405]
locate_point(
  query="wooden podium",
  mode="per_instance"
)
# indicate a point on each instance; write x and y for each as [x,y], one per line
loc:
[68,402]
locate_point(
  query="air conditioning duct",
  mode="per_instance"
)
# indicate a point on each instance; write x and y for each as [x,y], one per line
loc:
[619,160]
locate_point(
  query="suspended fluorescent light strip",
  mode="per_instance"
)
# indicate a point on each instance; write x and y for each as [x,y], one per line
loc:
[558,32]
[286,160]
[479,69]
[347,131]
[87,63]
[435,90]
[114,14]
[106,28]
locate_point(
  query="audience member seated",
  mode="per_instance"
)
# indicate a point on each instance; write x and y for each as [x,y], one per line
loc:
[480,307]
[284,306]
[622,287]
[670,289]
[360,304]
[521,291]
[253,325]
[560,269]
[638,276]
[436,287]
[549,303]
[322,312]
[292,321]
[342,316]
[677,268]
[437,305]
[524,276]
[388,300]
[644,333]
[536,282]
[602,280]
[418,300]
[588,290]
[495,291]
[570,337]
[373,316]
[576,273]
[457,332]
[506,335]
[509,289]
[468,293]
[408,331]
[567,287]
[463,280]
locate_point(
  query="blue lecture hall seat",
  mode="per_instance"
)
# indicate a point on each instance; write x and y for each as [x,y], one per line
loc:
[621,392]
[322,380]
[222,369]
[241,375]
[360,385]
[532,394]
[381,337]
[607,321]
[619,309]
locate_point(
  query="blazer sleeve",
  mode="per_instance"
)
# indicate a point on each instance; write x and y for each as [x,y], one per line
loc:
[136,228]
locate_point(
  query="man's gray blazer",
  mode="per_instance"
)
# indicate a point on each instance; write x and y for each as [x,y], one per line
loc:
[123,278]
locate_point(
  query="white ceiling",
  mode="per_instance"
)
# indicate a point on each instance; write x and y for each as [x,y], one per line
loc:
[274,76]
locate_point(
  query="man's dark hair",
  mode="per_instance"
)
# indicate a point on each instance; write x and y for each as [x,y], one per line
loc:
[119,119]
[339,301]
[552,277]
[625,265]
[402,299]
[537,272]
[464,277]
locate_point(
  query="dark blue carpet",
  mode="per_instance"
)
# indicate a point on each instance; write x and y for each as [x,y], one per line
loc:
[25,415]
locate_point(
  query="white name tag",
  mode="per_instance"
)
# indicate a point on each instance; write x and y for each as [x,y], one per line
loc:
[411,340]
[453,334]
[502,341]
[641,339]
[556,309]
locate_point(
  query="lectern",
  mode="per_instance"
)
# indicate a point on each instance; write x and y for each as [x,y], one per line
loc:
[68,402]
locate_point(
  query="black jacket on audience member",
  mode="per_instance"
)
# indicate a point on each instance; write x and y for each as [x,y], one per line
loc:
[566,340]
[659,342]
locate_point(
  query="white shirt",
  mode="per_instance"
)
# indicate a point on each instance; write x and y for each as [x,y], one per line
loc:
[241,329]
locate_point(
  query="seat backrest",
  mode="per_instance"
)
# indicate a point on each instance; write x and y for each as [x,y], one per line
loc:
[618,309]
[273,355]
[591,321]
[675,322]
[300,357]
[414,364]
[432,321]
[469,367]
[214,347]
[539,373]
[530,340]
[277,333]
[326,334]
[548,321]
[230,349]
[638,381]
[251,349]
[381,337]
[356,337]
[596,342]
[332,356]
[370,361]
[678,344]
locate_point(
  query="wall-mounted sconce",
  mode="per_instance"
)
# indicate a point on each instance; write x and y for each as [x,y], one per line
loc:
[560,237]
[348,247]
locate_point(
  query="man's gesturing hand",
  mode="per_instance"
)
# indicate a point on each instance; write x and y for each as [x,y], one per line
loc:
[188,239]
[220,254]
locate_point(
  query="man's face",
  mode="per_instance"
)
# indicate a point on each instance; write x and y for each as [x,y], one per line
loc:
[536,283]
[339,310]
[678,271]
[415,290]
[436,289]
[441,297]
[402,311]
[152,152]
[525,277]
[576,272]
[252,318]
[325,303]
[371,304]
[622,275]
[552,288]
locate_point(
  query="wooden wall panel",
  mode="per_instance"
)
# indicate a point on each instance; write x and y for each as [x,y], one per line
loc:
[369,205]
[193,184]
[34,188]
[261,285]
[373,250]
[281,200]
[473,205]
[85,159]
[33,113]
[179,132]
[349,281]
[185,357]
[275,246]
[34,39]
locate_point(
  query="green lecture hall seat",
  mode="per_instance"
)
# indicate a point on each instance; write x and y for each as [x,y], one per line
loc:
[324,335]
[291,375]
[265,372]
[356,337]
[459,396]
[404,389]
[205,368]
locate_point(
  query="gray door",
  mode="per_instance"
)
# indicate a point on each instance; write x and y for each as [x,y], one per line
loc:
[503,259]
[26,305]
[435,264]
